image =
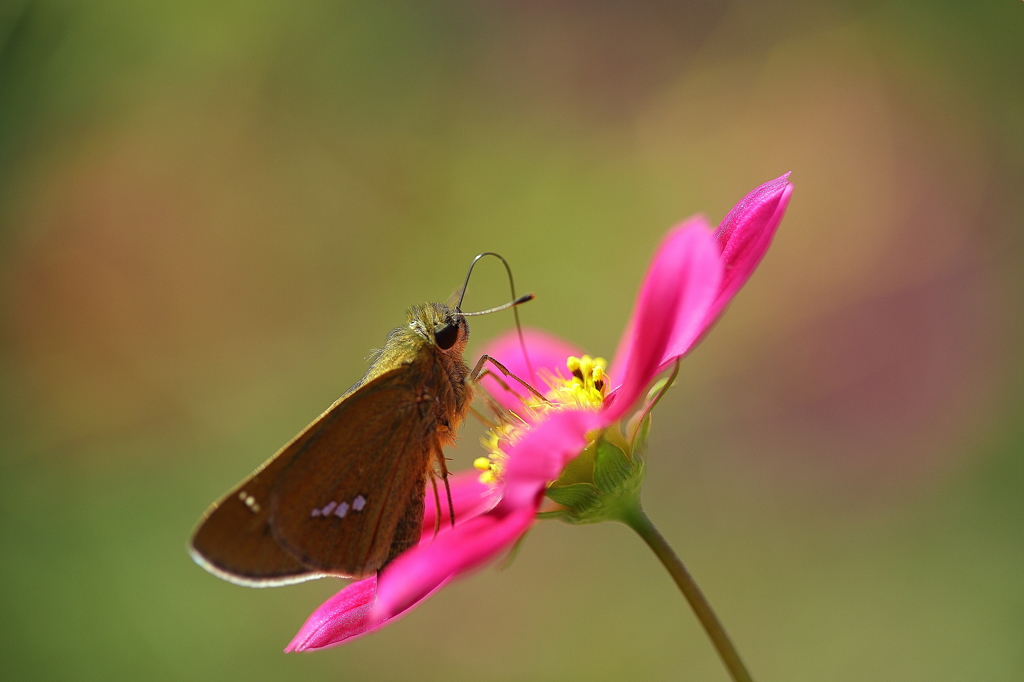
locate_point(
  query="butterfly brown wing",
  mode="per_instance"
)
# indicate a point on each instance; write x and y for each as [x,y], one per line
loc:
[382,435]
[357,483]
[234,541]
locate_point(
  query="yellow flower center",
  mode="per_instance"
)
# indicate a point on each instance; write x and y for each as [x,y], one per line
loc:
[586,387]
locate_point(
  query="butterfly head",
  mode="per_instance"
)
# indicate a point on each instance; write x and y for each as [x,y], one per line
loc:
[442,325]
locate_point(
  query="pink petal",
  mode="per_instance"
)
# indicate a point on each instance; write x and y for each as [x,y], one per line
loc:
[540,454]
[745,235]
[547,352]
[680,287]
[421,571]
[536,458]
[344,617]
[348,614]
[470,498]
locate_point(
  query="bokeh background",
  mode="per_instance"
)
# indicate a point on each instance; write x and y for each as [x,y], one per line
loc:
[210,212]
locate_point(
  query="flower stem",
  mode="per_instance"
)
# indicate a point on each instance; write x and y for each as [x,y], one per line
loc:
[637,519]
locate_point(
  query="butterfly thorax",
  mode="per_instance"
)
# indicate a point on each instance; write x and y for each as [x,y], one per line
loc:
[441,372]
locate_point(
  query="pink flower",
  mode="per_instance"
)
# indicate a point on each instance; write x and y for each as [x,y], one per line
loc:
[693,276]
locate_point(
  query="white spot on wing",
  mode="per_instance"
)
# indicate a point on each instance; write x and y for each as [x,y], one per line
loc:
[341,510]
[359,503]
[315,513]
[329,508]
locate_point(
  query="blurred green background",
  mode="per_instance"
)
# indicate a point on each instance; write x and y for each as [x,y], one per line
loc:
[210,212]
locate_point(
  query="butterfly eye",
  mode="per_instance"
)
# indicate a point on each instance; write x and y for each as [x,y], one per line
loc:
[445,335]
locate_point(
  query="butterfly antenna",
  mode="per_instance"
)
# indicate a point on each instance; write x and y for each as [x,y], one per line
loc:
[515,302]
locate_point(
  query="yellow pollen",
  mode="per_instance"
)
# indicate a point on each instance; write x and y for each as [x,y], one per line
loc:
[586,387]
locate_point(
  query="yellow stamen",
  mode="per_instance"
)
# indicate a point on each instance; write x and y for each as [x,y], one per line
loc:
[586,387]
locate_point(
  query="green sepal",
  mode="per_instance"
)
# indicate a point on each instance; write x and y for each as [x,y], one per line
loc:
[513,553]
[659,386]
[611,466]
[574,495]
[580,469]
[614,492]
[638,447]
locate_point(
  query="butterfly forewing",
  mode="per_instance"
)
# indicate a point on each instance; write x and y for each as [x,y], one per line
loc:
[346,496]
[381,439]
[234,540]
[278,526]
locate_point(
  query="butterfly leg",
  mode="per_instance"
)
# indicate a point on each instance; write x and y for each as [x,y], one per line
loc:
[489,423]
[447,488]
[478,373]
[437,503]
